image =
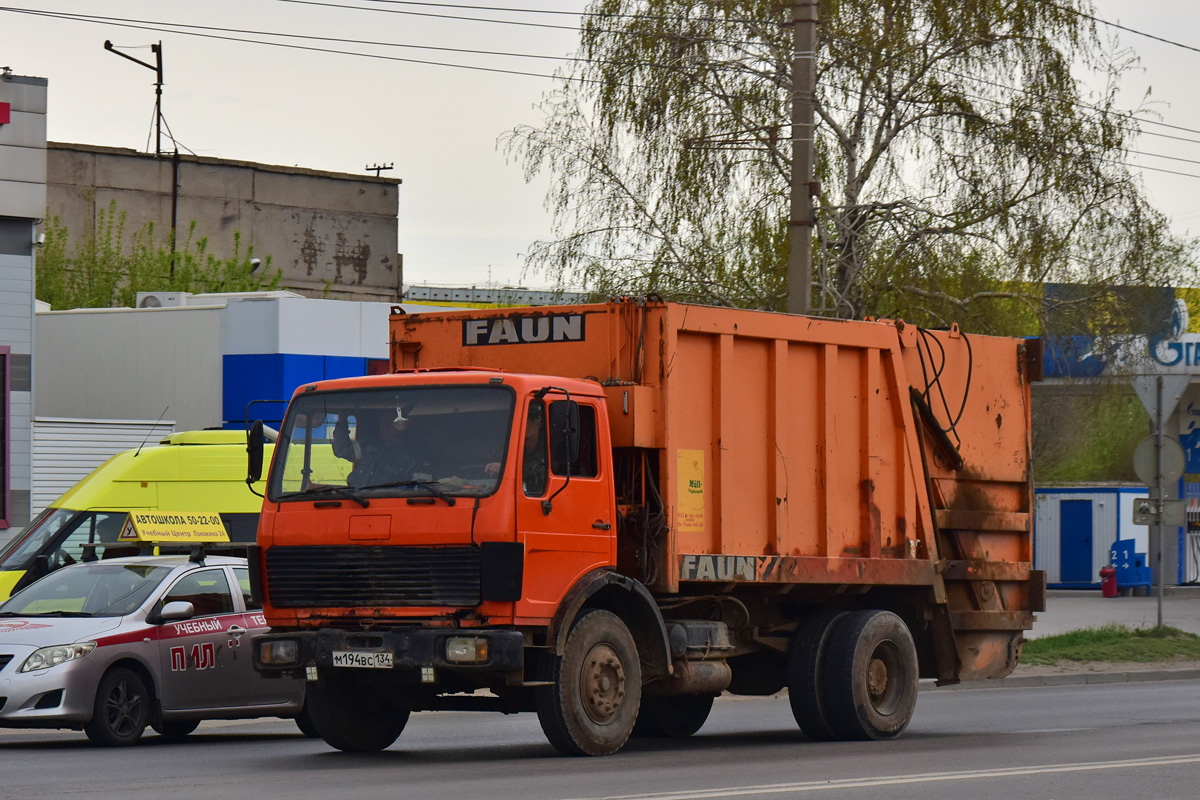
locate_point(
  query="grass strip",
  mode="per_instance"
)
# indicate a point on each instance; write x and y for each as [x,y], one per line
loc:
[1113,643]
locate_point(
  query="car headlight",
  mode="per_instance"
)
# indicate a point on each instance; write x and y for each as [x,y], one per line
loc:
[53,656]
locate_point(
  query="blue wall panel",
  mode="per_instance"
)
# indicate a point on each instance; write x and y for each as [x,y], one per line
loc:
[275,376]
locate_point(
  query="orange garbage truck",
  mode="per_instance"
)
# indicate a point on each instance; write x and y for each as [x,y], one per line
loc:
[610,514]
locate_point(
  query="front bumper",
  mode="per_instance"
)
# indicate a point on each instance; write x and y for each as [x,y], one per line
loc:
[412,649]
[58,697]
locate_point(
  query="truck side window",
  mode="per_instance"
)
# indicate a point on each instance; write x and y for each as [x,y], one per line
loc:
[533,463]
[586,463]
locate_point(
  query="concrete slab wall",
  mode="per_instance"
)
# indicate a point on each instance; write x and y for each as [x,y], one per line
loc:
[333,235]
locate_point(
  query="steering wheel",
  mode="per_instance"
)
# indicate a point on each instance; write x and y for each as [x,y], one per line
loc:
[60,558]
[474,472]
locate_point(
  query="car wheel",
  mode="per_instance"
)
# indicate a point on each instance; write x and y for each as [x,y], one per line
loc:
[122,709]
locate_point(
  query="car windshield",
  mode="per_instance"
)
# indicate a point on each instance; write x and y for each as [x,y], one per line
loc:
[30,541]
[436,442]
[90,590]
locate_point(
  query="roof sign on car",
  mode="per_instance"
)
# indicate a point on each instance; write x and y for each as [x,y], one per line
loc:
[162,527]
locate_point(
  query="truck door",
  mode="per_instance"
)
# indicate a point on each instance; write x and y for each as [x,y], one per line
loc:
[577,535]
[201,665]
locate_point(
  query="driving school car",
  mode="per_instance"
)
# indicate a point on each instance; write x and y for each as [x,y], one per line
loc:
[112,646]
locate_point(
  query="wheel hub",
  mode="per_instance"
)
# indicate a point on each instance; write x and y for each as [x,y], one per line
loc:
[877,679]
[602,684]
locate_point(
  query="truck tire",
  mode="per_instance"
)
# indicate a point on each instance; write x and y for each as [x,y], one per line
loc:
[808,647]
[869,675]
[353,718]
[672,716]
[591,708]
[121,711]
[305,724]
[176,729]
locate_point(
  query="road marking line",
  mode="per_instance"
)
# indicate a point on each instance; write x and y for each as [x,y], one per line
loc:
[892,780]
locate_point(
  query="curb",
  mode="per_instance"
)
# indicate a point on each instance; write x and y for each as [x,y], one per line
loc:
[1068,679]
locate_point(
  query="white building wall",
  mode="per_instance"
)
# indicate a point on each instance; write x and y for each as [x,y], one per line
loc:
[304,326]
[132,364]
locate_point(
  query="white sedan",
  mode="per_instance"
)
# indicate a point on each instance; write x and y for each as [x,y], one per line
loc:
[113,646]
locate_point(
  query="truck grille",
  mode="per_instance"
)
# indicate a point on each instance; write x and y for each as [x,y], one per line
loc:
[348,577]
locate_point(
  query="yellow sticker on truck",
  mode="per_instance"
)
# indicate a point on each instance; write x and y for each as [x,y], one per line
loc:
[689,497]
[183,528]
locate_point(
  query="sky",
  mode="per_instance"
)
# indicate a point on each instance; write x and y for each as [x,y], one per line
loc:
[466,212]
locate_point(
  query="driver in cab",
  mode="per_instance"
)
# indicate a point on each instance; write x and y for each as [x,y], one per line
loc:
[381,449]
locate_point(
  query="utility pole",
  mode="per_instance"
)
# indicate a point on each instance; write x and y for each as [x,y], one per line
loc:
[157,66]
[378,168]
[158,86]
[800,220]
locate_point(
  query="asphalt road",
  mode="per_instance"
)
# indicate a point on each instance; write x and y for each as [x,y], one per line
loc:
[1124,740]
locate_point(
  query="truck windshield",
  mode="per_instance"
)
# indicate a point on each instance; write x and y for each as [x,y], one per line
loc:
[433,441]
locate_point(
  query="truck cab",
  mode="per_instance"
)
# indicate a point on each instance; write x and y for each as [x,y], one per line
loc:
[458,467]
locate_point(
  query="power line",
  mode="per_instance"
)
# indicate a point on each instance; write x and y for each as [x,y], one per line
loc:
[171,26]
[1119,26]
[195,30]
[197,34]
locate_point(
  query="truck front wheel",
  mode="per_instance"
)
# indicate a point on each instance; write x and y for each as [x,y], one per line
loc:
[592,705]
[869,676]
[354,718]
[672,716]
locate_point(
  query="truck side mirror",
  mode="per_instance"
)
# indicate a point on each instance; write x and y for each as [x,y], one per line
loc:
[254,453]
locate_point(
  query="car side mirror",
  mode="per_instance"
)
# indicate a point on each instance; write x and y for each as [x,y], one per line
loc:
[41,566]
[177,610]
[254,453]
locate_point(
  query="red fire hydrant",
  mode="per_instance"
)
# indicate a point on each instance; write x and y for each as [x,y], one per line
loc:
[1108,581]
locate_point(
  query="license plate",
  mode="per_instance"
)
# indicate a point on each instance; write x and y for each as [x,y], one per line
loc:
[364,660]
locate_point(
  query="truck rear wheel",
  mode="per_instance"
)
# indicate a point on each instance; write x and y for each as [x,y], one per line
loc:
[869,675]
[672,716]
[591,708]
[354,718]
[808,647]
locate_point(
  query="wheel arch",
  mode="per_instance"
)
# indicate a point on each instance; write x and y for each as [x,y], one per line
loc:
[144,672]
[630,600]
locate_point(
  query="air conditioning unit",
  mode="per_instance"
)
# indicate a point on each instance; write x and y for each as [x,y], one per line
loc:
[162,299]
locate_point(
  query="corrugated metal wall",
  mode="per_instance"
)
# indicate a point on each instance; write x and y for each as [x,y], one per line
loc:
[66,450]
[1048,554]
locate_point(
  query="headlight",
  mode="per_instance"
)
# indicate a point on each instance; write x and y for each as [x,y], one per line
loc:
[467,650]
[53,656]
[279,652]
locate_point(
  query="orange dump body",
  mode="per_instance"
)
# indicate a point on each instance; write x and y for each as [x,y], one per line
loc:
[789,454]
